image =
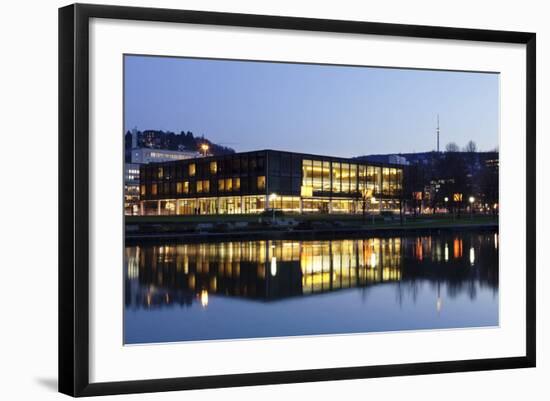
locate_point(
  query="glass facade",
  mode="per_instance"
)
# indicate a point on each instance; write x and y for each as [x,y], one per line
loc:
[253,182]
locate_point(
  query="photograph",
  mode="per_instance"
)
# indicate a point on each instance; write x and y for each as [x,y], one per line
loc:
[274,199]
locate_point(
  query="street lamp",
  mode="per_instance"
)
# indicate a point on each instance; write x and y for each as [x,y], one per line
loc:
[446,201]
[471,199]
[204,148]
[272,198]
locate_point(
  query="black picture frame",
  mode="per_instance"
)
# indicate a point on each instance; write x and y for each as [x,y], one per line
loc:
[74,200]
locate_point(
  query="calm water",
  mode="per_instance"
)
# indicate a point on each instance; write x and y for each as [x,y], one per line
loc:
[245,289]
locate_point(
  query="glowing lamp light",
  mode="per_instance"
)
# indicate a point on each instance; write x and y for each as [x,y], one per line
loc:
[471,199]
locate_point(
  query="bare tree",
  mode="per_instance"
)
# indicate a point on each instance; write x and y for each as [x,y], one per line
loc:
[452,147]
[470,147]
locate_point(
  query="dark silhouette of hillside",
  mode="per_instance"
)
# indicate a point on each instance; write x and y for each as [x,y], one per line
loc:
[184,141]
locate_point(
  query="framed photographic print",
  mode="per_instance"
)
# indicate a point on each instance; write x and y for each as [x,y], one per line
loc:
[249,199]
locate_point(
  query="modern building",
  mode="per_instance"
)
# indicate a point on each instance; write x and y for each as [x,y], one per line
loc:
[140,156]
[252,182]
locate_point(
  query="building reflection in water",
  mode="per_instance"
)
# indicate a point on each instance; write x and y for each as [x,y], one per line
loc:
[266,270]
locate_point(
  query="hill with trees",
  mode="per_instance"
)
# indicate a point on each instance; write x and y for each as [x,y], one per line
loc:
[183,141]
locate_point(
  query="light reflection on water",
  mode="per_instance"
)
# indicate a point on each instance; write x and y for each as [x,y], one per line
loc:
[264,288]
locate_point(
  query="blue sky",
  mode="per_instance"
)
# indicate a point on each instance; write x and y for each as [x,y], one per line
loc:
[333,110]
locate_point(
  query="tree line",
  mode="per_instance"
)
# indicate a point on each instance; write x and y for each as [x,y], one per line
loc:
[449,179]
[182,141]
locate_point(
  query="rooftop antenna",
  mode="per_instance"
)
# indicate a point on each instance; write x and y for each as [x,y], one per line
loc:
[437,133]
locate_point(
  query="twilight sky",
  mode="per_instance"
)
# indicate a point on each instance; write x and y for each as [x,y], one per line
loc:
[331,110]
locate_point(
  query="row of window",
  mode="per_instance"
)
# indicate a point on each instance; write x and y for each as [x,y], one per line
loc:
[258,204]
[201,186]
[231,166]
[325,176]
[219,205]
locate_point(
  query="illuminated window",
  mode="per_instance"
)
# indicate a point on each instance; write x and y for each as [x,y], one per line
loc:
[316,174]
[203,186]
[374,177]
[385,180]
[393,181]
[192,169]
[142,190]
[179,187]
[154,189]
[307,173]
[213,167]
[326,176]
[228,184]
[221,185]
[186,187]
[336,177]
[345,177]
[236,184]
[362,178]
[399,179]
[261,182]
[353,177]
[160,173]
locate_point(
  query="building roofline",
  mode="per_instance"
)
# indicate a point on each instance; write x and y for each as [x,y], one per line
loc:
[338,158]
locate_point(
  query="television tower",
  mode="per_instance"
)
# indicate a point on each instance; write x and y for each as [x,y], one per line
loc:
[437,131]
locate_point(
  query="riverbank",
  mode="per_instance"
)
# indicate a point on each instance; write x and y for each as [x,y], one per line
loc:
[204,228]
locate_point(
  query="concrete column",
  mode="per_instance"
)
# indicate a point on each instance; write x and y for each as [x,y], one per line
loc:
[141,208]
[301,205]
[158,207]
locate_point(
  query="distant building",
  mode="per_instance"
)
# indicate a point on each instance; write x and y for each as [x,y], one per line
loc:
[139,156]
[390,159]
[397,159]
[492,163]
[131,188]
[148,155]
